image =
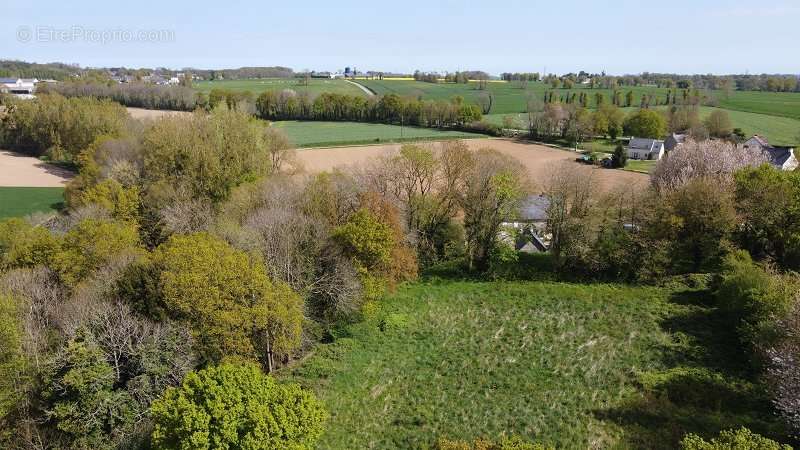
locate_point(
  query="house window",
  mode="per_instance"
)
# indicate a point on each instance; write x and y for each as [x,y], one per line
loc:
[635,155]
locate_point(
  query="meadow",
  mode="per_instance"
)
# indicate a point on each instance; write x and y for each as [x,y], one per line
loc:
[570,365]
[21,201]
[315,87]
[322,134]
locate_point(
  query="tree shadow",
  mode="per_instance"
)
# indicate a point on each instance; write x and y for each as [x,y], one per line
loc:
[709,383]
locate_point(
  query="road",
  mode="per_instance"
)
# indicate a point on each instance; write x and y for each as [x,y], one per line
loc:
[360,86]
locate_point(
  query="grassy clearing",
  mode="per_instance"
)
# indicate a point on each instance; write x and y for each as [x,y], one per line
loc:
[21,201]
[320,134]
[637,165]
[315,87]
[575,366]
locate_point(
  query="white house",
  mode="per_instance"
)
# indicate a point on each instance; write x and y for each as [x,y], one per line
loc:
[643,148]
[19,85]
[781,157]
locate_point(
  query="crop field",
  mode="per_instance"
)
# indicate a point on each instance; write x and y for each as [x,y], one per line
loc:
[21,201]
[322,134]
[574,366]
[315,87]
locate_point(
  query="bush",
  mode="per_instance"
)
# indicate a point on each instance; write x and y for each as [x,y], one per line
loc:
[741,439]
[753,297]
[512,443]
[233,406]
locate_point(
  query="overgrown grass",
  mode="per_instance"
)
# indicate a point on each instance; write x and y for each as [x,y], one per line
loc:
[572,365]
[21,201]
[321,134]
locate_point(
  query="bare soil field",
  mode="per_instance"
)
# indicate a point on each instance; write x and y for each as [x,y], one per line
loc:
[18,170]
[141,113]
[539,159]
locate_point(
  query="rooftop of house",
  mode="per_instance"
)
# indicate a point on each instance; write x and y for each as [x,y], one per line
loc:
[645,144]
[761,140]
[779,155]
[534,208]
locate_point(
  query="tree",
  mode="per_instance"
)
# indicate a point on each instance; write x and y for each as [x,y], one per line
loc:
[620,157]
[719,124]
[768,202]
[280,151]
[91,244]
[81,399]
[493,187]
[570,205]
[645,123]
[784,370]
[225,295]
[232,406]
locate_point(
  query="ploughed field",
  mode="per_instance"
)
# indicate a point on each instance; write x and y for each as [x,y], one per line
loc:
[540,160]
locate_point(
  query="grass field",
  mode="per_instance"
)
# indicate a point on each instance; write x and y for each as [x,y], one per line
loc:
[316,86]
[779,130]
[321,134]
[636,165]
[20,201]
[575,366]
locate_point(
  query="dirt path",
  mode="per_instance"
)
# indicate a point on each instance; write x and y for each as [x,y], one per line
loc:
[18,170]
[362,87]
[540,161]
[141,113]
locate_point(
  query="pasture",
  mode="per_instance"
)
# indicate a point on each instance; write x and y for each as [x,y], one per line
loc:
[21,201]
[569,365]
[325,134]
[315,86]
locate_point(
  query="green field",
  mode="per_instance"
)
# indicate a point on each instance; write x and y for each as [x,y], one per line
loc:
[636,165]
[779,130]
[572,365]
[21,201]
[316,86]
[321,134]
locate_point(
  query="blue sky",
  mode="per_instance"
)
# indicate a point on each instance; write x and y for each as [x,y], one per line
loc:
[618,36]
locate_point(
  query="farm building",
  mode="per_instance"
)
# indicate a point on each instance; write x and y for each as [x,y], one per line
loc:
[643,148]
[19,85]
[781,157]
[530,224]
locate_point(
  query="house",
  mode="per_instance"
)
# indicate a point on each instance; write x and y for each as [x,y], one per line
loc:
[643,148]
[19,85]
[530,225]
[781,157]
[674,141]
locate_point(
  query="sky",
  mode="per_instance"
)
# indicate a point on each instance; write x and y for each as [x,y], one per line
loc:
[615,36]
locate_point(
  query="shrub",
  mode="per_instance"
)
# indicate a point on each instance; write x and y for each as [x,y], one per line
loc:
[25,245]
[512,443]
[741,439]
[233,406]
[752,297]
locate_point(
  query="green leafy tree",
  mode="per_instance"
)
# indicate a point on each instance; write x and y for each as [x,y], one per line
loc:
[25,245]
[89,245]
[233,406]
[13,377]
[768,200]
[646,123]
[619,158]
[367,239]
[227,297]
[81,400]
[122,202]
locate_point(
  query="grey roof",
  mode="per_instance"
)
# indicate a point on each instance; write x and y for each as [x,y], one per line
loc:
[762,141]
[645,144]
[778,155]
[8,80]
[534,208]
